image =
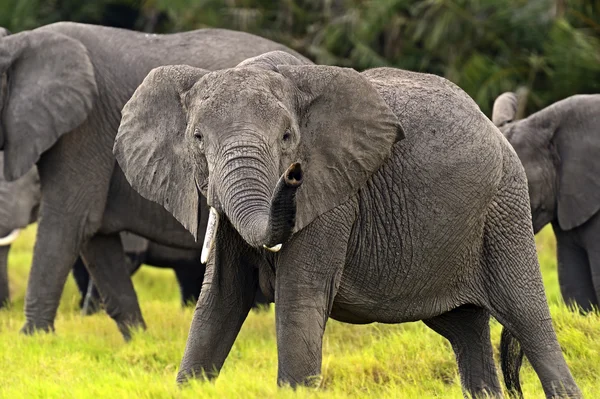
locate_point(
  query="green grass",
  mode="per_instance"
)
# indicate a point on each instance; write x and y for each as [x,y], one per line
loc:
[88,358]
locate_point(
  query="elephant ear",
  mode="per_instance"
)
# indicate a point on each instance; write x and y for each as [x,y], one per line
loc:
[346,133]
[153,147]
[52,89]
[577,141]
[505,109]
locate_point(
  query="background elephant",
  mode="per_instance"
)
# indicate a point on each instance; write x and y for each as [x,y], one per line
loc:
[309,160]
[67,83]
[559,147]
[19,204]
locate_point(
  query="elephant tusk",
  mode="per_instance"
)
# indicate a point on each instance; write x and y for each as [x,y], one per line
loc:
[275,248]
[211,233]
[10,238]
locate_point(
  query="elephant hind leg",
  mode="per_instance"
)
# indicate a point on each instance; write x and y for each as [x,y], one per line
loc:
[574,275]
[513,288]
[190,283]
[468,330]
[106,262]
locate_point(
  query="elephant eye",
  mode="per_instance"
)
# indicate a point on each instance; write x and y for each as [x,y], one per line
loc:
[287,135]
[197,134]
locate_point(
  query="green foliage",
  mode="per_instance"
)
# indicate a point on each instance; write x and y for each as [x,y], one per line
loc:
[87,357]
[549,47]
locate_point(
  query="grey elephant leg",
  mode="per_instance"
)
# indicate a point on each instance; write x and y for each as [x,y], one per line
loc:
[90,298]
[190,282]
[307,278]
[106,262]
[574,276]
[594,259]
[4,287]
[230,282]
[468,330]
[515,291]
[75,178]
[56,249]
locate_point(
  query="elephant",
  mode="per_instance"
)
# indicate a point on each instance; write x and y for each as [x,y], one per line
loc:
[559,148]
[317,196]
[67,83]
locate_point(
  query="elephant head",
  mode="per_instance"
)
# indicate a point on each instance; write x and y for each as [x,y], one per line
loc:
[558,147]
[48,89]
[272,143]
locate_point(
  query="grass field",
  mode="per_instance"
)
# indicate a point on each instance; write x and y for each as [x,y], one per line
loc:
[87,358]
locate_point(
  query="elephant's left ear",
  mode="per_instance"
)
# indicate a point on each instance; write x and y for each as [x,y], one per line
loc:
[347,131]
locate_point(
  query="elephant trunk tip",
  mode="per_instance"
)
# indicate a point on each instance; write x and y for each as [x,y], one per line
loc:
[293,175]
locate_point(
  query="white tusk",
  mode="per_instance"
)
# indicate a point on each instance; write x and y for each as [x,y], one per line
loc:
[10,238]
[275,248]
[211,232]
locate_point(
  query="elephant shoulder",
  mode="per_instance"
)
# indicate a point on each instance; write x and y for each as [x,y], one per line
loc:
[398,86]
[430,106]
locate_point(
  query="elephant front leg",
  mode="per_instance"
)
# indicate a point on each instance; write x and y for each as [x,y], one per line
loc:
[307,278]
[230,282]
[57,246]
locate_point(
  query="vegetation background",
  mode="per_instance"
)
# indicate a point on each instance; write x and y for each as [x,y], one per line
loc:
[548,48]
[545,49]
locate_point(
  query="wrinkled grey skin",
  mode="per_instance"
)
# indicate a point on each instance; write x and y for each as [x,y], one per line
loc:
[435,227]
[559,147]
[67,83]
[19,204]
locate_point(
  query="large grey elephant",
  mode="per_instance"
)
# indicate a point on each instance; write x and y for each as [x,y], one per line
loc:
[308,161]
[559,147]
[67,83]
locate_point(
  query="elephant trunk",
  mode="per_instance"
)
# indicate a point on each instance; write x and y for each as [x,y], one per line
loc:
[261,216]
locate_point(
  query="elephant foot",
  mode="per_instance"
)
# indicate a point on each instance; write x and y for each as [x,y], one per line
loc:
[127,328]
[260,307]
[30,327]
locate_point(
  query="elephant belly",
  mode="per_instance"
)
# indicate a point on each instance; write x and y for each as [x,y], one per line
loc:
[126,210]
[415,248]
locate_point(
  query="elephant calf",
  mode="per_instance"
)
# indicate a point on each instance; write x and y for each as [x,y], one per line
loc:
[559,147]
[359,224]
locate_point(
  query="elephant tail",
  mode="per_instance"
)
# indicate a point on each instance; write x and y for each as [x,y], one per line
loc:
[511,358]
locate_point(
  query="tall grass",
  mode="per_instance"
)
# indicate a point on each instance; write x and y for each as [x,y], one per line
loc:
[88,358]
